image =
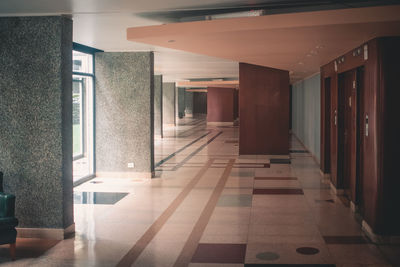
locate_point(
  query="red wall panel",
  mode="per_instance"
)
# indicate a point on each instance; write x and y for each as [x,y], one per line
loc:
[263,110]
[220,104]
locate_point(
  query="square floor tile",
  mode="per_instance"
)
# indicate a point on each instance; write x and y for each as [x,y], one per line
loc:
[216,265]
[289,265]
[219,253]
[285,253]
[356,254]
[235,201]
[297,151]
[242,172]
[103,198]
[276,178]
[270,184]
[345,239]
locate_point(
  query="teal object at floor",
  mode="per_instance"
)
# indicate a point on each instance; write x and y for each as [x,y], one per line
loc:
[8,222]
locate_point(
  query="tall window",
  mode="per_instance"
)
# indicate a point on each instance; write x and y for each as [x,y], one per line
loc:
[83,112]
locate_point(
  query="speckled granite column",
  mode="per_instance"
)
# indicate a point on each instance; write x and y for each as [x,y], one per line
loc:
[36,121]
[181,101]
[158,105]
[188,104]
[124,114]
[169,111]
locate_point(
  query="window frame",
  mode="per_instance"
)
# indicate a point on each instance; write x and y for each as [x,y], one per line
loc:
[91,51]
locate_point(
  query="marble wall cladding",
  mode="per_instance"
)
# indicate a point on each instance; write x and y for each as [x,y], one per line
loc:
[306,112]
[169,103]
[124,112]
[181,101]
[188,103]
[36,118]
[158,105]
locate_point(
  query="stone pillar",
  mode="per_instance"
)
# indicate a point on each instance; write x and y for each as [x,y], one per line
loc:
[169,107]
[180,102]
[124,114]
[264,110]
[158,105]
[36,122]
[188,104]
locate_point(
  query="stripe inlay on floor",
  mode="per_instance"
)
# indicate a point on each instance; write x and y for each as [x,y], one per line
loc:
[180,150]
[180,164]
[193,240]
[146,238]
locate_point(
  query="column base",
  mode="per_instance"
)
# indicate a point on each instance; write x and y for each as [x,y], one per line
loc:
[335,191]
[138,175]
[379,239]
[46,233]
[325,175]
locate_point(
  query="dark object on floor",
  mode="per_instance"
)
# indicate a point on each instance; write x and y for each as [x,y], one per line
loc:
[307,250]
[8,222]
[279,161]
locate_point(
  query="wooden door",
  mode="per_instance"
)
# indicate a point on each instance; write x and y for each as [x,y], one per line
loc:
[327,125]
[349,132]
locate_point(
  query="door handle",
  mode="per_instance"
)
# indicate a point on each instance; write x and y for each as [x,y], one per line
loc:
[335,117]
[366,125]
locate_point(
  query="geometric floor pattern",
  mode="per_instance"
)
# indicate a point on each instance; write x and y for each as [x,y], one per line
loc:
[208,206]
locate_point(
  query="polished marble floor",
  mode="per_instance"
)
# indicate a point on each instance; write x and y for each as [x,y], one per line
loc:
[208,206]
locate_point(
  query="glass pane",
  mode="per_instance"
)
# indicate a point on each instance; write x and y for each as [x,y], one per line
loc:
[77,120]
[82,62]
[82,126]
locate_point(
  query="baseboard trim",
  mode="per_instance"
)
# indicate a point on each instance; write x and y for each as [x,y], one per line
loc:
[220,123]
[353,207]
[139,175]
[379,239]
[336,191]
[308,150]
[46,233]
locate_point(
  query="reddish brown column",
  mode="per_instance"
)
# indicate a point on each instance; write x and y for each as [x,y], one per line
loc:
[220,105]
[263,110]
[235,104]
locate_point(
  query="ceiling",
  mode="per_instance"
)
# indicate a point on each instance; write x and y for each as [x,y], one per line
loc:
[299,42]
[211,83]
[102,24]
